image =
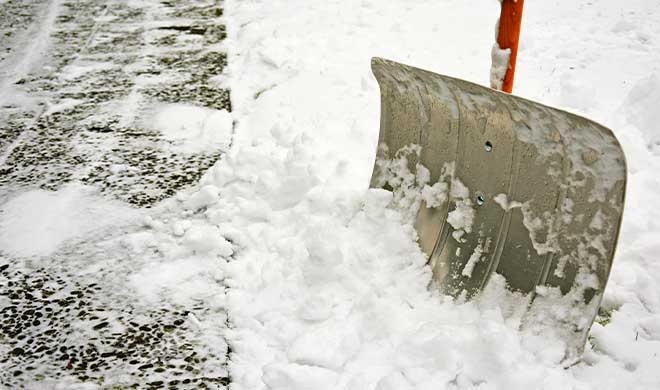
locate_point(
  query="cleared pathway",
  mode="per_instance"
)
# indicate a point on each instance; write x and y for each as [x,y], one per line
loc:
[80,85]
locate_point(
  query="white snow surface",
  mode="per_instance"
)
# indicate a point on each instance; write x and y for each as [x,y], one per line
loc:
[327,288]
[499,65]
[38,222]
[192,128]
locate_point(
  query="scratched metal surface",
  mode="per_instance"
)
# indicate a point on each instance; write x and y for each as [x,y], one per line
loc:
[546,187]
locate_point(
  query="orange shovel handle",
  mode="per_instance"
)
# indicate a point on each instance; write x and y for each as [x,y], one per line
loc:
[507,36]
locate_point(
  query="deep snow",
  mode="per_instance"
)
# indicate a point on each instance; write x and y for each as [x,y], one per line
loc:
[328,289]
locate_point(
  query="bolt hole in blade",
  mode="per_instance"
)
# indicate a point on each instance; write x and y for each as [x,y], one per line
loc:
[555,224]
[481,199]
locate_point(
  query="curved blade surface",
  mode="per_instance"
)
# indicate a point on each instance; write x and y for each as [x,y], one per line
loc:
[507,186]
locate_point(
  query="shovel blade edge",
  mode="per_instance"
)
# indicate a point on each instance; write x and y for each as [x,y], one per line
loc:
[506,186]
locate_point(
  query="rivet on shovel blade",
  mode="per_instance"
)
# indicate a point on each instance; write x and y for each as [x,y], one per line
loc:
[481,199]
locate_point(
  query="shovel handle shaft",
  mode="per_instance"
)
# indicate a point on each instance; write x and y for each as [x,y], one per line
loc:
[508,35]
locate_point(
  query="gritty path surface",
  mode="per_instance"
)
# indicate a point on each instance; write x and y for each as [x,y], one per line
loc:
[77,80]
[78,115]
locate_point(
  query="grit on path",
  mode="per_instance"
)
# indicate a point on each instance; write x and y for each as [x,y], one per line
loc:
[86,89]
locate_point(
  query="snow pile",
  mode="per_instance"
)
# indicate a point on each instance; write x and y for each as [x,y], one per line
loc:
[327,288]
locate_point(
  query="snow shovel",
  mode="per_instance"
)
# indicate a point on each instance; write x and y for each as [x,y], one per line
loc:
[505,186]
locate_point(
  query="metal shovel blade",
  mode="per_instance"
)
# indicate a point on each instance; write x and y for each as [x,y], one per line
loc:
[504,186]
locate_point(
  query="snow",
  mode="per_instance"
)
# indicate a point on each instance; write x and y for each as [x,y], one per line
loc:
[502,200]
[207,239]
[38,222]
[206,196]
[179,278]
[326,263]
[499,65]
[193,129]
[435,195]
[499,59]
[462,217]
[322,279]
[475,257]
[63,105]
[81,68]
[641,109]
